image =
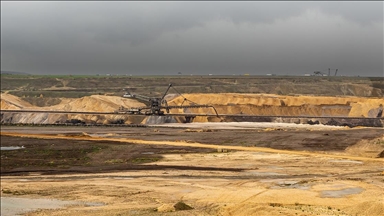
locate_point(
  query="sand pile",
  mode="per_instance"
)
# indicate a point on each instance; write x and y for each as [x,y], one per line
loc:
[268,104]
[367,208]
[367,148]
[96,103]
[99,103]
[12,102]
[228,103]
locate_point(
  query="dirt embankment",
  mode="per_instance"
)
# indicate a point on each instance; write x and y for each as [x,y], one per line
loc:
[277,105]
[94,103]
[9,101]
[228,103]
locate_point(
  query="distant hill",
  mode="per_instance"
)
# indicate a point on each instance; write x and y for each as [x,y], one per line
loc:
[13,72]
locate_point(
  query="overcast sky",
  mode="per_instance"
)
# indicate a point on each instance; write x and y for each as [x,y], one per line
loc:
[164,38]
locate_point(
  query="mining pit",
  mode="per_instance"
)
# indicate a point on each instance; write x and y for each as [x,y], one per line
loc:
[338,111]
[272,155]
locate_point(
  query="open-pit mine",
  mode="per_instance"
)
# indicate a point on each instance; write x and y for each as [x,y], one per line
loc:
[250,149]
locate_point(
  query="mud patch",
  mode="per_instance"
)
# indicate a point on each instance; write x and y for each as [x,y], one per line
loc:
[291,184]
[340,193]
[16,206]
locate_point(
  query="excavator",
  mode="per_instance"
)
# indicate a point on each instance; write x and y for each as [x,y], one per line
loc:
[320,73]
[155,105]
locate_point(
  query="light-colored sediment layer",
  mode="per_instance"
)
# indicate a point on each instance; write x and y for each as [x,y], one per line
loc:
[269,104]
[97,103]
[94,103]
[252,104]
[9,101]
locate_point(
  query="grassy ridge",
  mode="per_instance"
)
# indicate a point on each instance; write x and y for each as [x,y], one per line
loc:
[73,86]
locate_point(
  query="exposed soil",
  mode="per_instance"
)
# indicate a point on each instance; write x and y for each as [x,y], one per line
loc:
[195,169]
[149,171]
[55,156]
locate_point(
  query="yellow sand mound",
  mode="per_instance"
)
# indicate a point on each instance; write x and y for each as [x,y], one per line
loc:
[367,148]
[367,208]
[228,103]
[12,102]
[269,104]
[96,103]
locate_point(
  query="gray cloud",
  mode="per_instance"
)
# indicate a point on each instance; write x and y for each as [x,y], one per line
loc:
[193,37]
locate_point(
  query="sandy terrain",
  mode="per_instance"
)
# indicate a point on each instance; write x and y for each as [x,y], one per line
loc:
[193,169]
[147,171]
[270,104]
[228,103]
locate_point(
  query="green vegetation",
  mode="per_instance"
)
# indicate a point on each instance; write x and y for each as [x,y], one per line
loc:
[82,85]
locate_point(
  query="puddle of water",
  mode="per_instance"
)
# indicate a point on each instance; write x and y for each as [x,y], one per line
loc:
[346,161]
[341,193]
[147,153]
[18,206]
[9,148]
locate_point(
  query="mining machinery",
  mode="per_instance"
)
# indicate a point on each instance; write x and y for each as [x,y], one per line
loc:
[329,71]
[154,104]
[321,73]
[157,105]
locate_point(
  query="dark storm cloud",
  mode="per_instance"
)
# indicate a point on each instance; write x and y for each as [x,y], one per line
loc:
[193,37]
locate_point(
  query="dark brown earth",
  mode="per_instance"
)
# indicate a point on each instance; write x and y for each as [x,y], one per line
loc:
[53,156]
